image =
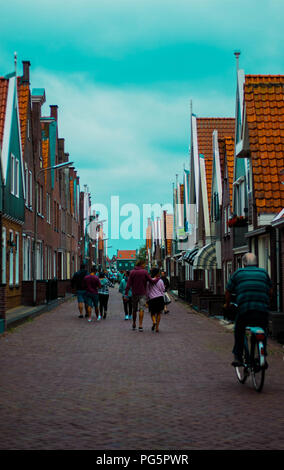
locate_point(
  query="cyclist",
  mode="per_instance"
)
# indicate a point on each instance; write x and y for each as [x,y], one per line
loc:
[253,289]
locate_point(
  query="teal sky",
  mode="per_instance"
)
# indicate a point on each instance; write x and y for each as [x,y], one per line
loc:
[123,73]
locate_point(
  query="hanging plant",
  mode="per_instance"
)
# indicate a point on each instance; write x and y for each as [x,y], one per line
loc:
[237,221]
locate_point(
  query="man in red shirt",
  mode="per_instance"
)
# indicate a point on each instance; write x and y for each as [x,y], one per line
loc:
[137,282]
[92,285]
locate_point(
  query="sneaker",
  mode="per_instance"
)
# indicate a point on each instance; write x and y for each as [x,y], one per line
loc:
[80,316]
[99,318]
[141,328]
[89,319]
[126,317]
[129,317]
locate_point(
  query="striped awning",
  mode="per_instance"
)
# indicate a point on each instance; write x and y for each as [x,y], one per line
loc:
[190,255]
[206,257]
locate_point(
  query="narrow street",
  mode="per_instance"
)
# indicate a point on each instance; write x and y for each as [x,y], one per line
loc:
[69,384]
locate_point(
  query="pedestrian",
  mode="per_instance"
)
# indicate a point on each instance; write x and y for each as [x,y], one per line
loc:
[126,299]
[253,290]
[92,284]
[137,282]
[155,298]
[77,284]
[103,295]
[167,285]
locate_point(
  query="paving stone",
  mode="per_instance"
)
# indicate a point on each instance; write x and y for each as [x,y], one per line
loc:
[70,384]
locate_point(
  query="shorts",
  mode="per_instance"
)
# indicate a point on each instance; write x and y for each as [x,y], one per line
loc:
[81,296]
[156,305]
[92,300]
[138,302]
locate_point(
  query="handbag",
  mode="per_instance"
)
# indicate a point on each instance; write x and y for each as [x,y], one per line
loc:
[167,299]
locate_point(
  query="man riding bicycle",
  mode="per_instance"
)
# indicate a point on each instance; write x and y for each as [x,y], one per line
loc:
[253,290]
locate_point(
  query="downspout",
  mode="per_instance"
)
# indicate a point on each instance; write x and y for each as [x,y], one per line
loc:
[277,270]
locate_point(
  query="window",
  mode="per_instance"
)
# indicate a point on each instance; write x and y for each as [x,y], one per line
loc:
[17,259]
[11,259]
[48,208]
[26,185]
[4,246]
[14,175]
[30,201]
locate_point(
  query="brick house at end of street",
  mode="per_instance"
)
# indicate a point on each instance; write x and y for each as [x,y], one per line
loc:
[125,260]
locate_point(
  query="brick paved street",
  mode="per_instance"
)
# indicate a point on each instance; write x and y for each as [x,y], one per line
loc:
[70,384]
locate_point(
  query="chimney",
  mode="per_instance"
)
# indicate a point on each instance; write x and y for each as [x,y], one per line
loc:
[26,71]
[53,111]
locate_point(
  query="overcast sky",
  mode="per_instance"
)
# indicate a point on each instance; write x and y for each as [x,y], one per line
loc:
[123,73]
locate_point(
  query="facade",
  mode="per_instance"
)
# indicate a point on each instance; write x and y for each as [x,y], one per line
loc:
[44,215]
[231,199]
[125,260]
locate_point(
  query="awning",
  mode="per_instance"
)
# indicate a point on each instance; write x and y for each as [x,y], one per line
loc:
[190,255]
[206,257]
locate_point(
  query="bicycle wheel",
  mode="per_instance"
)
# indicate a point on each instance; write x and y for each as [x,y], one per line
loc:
[257,372]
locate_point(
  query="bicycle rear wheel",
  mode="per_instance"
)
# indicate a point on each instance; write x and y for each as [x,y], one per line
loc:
[257,371]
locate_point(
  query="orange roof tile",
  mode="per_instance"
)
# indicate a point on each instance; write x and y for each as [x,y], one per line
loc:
[264,100]
[205,128]
[23,99]
[3,101]
[126,254]
[227,152]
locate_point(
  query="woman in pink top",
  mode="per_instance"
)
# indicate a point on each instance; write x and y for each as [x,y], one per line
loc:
[155,297]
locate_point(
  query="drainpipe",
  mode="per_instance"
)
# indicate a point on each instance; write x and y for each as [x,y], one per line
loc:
[278,269]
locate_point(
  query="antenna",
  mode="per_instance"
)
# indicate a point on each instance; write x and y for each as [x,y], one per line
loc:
[15,62]
[237,55]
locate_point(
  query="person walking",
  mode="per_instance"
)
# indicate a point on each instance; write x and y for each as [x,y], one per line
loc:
[253,290]
[167,285]
[127,300]
[137,282]
[77,284]
[103,295]
[155,298]
[92,285]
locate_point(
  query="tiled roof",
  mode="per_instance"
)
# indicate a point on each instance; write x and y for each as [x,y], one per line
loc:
[23,99]
[205,128]
[226,148]
[264,100]
[126,254]
[3,100]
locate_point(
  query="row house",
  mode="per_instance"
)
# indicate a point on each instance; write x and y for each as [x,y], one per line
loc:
[235,195]
[40,206]
[159,241]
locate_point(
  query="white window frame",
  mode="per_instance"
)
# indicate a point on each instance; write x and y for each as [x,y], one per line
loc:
[30,201]
[11,259]
[17,259]
[4,254]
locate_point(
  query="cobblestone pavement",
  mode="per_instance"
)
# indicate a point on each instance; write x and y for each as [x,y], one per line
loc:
[69,384]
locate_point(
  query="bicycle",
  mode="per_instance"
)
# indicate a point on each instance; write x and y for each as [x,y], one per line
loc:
[254,363]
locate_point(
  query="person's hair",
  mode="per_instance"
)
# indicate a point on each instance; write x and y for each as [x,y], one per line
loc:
[82,266]
[102,274]
[249,259]
[140,262]
[93,269]
[154,272]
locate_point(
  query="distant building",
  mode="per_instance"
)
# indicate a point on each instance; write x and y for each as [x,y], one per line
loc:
[125,260]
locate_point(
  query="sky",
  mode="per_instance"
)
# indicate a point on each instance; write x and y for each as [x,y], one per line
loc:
[124,73]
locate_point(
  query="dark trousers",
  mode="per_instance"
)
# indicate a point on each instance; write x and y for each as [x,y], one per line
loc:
[103,302]
[251,318]
[127,305]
